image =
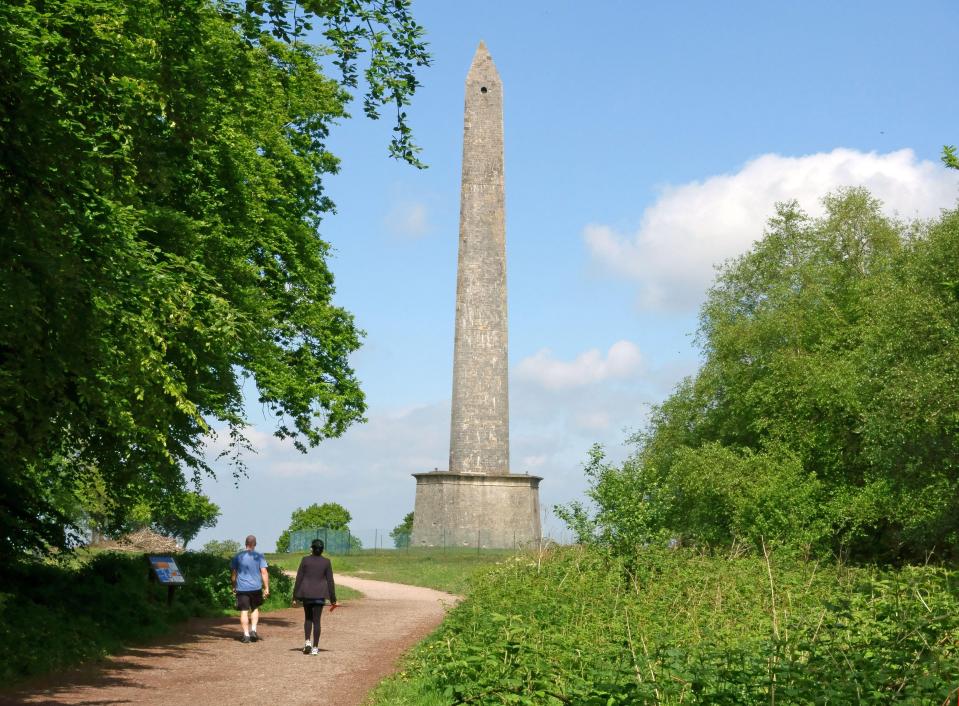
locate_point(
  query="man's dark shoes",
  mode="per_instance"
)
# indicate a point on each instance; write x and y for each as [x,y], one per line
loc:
[254,636]
[245,639]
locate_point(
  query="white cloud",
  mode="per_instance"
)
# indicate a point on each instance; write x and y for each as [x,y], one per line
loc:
[556,414]
[408,219]
[298,468]
[694,227]
[594,420]
[623,360]
[368,470]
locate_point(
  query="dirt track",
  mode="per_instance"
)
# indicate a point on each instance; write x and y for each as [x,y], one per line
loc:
[204,662]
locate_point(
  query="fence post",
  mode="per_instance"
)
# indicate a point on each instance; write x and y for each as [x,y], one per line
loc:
[478,541]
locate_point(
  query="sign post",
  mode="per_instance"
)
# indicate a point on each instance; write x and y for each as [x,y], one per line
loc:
[164,570]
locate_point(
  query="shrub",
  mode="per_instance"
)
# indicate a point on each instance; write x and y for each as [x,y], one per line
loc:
[94,607]
[221,547]
[724,496]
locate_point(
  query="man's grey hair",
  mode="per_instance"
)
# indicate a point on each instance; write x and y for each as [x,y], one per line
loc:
[250,540]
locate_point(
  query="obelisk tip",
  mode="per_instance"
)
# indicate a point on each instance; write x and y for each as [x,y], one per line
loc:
[482,65]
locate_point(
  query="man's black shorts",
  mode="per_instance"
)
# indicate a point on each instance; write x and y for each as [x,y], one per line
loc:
[249,600]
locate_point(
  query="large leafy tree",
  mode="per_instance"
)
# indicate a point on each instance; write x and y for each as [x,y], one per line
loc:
[160,194]
[186,516]
[331,516]
[826,412]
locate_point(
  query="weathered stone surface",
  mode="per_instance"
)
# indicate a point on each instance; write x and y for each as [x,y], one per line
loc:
[478,502]
[479,429]
[472,509]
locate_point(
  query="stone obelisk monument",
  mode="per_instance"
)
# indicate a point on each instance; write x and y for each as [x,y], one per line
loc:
[479,433]
[478,500]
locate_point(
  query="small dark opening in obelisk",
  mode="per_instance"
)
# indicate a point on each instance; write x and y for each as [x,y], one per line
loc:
[478,502]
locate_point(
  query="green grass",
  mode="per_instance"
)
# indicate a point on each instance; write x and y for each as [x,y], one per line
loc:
[445,570]
[345,593]
[405,690]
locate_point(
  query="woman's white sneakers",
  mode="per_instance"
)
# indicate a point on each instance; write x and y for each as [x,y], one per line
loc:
[307,647]
[315,651]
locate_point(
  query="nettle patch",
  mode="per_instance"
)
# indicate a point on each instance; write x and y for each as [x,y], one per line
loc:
[665,627]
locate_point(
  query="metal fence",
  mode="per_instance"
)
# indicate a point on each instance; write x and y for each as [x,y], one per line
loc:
[336,541]
[438,539]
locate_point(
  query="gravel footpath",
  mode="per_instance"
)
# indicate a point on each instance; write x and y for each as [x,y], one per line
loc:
[205,663]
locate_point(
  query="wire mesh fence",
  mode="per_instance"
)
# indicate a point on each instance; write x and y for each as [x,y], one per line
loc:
[335,541]
[438,539]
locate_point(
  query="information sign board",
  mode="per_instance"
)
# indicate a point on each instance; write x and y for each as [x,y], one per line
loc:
[166,570]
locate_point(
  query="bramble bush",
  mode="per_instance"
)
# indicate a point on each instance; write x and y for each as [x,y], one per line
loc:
[580,626]
[208,583]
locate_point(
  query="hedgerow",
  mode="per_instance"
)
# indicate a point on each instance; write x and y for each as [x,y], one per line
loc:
[56,616]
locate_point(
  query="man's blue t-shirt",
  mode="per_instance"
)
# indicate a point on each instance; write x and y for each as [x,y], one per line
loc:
[247,565]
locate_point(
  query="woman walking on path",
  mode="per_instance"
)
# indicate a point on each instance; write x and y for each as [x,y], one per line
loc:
[313,588]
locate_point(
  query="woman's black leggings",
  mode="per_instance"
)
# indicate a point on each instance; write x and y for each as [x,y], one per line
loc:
[312,611]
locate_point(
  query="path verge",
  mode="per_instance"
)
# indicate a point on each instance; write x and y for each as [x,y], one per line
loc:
[204,663]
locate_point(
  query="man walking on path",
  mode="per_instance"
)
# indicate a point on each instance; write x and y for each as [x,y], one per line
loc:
[251,584]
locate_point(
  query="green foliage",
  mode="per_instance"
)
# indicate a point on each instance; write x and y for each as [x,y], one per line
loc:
[667,627]
[184,518]
[949,157]
[221,547]
[826,412]
[334,541]
[160,194]
[328,515]
[401,533]
[723,496]
[395,42]
[627,511]
[281,589]
[82,612]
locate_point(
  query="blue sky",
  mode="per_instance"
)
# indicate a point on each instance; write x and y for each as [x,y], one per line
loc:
[645,143]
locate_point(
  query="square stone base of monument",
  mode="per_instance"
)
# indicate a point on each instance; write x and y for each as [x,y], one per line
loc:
[476,510]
